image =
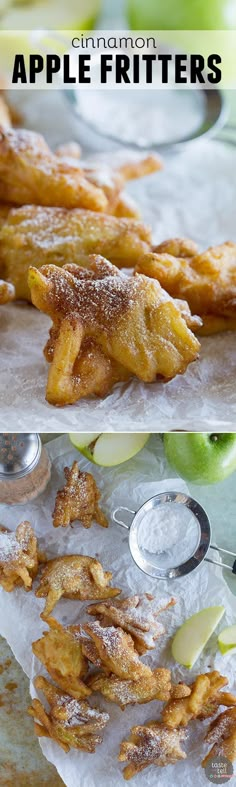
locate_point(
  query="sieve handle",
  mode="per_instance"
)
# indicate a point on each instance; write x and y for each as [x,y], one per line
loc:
[121,522]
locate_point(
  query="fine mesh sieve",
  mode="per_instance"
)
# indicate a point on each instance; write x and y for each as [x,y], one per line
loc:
[169,535]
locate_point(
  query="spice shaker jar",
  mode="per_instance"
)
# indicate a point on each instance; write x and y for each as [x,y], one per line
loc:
[25,467]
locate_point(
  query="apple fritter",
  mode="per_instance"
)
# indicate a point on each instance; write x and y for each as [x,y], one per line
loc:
[71,723]
[206,281]
[35,235]
[19,557]
[75,577]
[112,179]
[117,652]
[137,615]
[205,698]
[78,500]
[106,327]
[151,744]
[124,692]
[222,734]
[7,292]
[60,650]
[126,208]
[30,174]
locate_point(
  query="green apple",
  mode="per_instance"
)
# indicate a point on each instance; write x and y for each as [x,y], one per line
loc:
[193,635]
[182,14]
[227,639]
[49,14]
[201,457]
[109,449]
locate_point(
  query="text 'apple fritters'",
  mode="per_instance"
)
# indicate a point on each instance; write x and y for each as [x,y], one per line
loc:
[19,557]
[60,650]
[78,500]
[151,744]
[35,235]
[7,292]
[205,698]
[206,281]
[72,723]
[222,734]
[106,327]
[137,615]
[157,686]
[75,577]
[30,174]
[116,651]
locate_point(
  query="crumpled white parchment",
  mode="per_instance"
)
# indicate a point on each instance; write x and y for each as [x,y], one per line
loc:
[193,196]
[20,622]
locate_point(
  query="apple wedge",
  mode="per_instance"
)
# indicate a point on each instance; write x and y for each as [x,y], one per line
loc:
[227,639]
[192,636]
[108,449]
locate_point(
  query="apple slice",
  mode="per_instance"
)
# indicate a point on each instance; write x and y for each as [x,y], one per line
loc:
[193,635]
[109,449]
[227,639]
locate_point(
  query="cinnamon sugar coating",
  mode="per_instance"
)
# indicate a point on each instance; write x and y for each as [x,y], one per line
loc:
[71,723]
[19,557]
[78,500]
[106,327]
[75,577]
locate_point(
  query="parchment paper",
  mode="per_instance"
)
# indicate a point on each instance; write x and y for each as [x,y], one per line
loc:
[20,622]
[194,196]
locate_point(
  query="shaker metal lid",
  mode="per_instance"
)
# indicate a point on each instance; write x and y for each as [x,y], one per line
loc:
[19,454]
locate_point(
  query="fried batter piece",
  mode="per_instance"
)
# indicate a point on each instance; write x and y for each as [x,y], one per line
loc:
[35,235]
[151,744]
[222,734]
[72,723]
[106,327]
[206,281]
[117,652]
[19,557]
[78,500]
[60,650]
[112,178]
[31,174]
[75,577]
[124,692]
[137,615]
[205,698]
[7,292]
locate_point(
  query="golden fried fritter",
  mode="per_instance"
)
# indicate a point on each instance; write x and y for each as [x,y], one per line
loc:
[75,577]
[19,557]
[60,650]
[107,327]
[117,652]
[31,174]
[7,292]
[151,744]
[206,281]
[113,179]
[35,235]
[222,734]
[124,692]
[137,615]
[72,723]
[126,208]
[78,500]
[205,698]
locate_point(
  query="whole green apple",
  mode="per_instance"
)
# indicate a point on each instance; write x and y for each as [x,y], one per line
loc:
[201,457]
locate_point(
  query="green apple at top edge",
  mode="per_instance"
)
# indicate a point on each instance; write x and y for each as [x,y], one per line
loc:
[192,636]
[107,449]
[227,639]
[182,14]
[202,458]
